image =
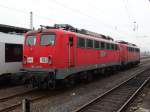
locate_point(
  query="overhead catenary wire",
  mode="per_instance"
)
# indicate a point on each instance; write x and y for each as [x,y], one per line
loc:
[27,13]
[127,10]
[13,9]
[70,8]
[81,13]
[90,17]
[131,18]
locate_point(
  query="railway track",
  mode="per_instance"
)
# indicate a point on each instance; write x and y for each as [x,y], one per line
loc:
[117,98]
[3,99]
[17,105]
[33,99]
[11,104]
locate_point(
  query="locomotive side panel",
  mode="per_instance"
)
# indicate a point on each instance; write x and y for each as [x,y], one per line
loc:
[133,54]
[129,54]
[112,54]
[66,51]
[102,55]
[61,57]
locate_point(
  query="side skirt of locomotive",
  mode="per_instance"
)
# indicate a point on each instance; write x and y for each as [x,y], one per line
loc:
[47,78]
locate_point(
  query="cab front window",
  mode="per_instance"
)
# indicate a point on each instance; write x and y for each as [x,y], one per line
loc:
[30,40]
[47,39]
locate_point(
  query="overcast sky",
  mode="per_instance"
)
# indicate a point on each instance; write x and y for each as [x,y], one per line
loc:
[110,17]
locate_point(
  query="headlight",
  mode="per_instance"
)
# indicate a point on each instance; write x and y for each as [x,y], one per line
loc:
[24,59]
[49,60]
[29,59]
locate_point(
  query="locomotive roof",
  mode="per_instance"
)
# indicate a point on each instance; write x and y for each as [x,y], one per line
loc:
[69,32]
[130,46]
[66,28]
[127,44]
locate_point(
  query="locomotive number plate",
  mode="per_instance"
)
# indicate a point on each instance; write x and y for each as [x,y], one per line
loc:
[43,60]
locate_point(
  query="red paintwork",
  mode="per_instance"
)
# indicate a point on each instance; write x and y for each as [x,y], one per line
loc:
[127,56]
[78,56]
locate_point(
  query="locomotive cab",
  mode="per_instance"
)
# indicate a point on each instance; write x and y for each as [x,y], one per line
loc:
[47,50]
[38,50]
[44,52]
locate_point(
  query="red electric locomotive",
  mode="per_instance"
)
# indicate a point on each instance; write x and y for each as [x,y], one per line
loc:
[129,53]
[64,52]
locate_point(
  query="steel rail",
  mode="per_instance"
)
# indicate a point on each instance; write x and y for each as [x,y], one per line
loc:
[15,106]
[86,105]
[16,95]
[134,94]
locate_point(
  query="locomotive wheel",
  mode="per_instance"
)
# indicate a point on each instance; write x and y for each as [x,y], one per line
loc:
[102,71]
[89,77]
[51,84]
[70,82]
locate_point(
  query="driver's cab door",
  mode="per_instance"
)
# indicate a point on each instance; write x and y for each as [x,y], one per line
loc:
[71,51]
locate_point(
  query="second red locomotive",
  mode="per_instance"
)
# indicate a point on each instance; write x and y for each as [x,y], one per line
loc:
[64,52]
